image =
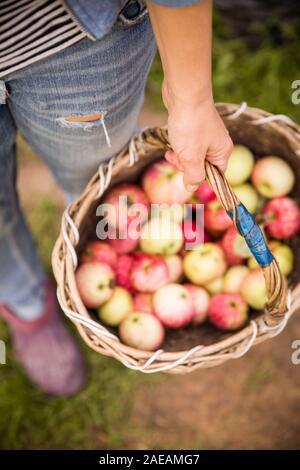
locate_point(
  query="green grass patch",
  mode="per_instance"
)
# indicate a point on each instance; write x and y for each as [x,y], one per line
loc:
[261,75]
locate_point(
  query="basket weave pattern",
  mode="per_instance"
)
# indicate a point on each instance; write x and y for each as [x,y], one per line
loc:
[264,134]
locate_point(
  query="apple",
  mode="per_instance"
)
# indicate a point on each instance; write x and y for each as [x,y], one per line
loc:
[100,251]
[123,246]
[173,306]
[228,311]
[282,217]
[234,246]
[95,283]
[233,278]
[253,289]
[273,177]
[161,237]
[200,299]
[283,254]
[248,196]
[174,263]
[142,303]
[142,331]
[240,165]
[215,286]
[123,270]
[117,307]
[193,233]
[204,263]
[148,272]
[163,183]
[124,204]
[205,193]
[216,218]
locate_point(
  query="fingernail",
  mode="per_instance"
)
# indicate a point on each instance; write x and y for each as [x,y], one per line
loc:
[191,187]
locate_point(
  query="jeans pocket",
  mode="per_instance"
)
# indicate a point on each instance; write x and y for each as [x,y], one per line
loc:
[133,13]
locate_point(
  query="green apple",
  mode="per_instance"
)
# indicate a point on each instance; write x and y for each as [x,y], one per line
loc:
[253,289]
[234,277]
[283,254]
[117,308]
[248,196]
[273,177]
[240,165]
[161,237]
[204,263]
[215,286]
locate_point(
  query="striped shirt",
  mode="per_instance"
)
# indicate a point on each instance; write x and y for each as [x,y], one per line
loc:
[31,30]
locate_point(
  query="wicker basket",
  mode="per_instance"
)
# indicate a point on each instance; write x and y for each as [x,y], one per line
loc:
[194,347]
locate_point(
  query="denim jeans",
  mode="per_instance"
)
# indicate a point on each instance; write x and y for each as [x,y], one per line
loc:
[102,80]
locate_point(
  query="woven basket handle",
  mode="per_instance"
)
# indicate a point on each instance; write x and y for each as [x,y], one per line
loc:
[246,225]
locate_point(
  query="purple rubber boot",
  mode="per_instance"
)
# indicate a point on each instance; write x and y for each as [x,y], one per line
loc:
[47,350]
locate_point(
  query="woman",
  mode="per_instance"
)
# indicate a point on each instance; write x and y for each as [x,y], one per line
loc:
[72,78]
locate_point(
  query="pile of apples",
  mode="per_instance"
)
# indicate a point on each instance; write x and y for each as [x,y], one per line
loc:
[145,285]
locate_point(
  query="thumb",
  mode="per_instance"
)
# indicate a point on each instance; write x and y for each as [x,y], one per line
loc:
[220,157]
[193,175]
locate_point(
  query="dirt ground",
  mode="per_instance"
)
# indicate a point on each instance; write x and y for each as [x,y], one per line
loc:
[249,403]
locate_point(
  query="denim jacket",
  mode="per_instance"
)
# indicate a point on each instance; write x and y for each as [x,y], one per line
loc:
[96,17]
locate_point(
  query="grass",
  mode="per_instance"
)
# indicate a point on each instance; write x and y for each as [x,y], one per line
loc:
[262,75]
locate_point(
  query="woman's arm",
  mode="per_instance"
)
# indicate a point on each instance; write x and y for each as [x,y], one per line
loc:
[196,131]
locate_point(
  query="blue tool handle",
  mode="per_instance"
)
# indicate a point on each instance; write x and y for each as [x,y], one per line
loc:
[253,235]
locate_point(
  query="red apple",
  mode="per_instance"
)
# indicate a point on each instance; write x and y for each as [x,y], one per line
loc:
[95,283]
[234,246]
[205,193]
[216,218]
[123,269]
[175,267]
[273,177]
[143,303]
[148,272]
[100,251]
[142,331]
[282,216]
[200,299]
[173,306]
[123,246]
[193,233]
[228,311]
[124,204]
[163,183]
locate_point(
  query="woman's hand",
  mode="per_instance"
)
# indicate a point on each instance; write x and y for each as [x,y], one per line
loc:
[196,132]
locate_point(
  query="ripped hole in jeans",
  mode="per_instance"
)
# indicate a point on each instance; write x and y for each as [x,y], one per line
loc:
[86,122]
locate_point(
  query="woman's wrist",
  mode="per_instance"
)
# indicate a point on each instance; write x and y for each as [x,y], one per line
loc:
[186,97]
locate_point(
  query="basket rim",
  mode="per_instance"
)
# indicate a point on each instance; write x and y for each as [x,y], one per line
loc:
[64,270]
